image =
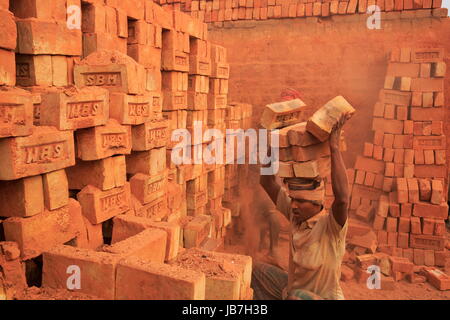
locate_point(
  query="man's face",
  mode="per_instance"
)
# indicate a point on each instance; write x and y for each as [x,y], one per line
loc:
[304,210]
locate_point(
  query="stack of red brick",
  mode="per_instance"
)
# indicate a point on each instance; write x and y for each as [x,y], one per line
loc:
[86,176]
[400,182]
[232,10]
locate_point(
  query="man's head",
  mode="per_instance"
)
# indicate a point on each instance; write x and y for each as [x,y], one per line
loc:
[307,197]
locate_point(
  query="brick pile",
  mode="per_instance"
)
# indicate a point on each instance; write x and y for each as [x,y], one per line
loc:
[400,181]
[232,10]
[304,149]
[86,177]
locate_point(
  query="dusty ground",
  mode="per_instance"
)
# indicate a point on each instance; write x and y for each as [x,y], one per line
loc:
[356,291]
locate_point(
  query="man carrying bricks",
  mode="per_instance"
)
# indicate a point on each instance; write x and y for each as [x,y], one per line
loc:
[316,251]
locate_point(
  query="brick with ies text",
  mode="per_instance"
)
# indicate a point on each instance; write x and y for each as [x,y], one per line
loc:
[47,149]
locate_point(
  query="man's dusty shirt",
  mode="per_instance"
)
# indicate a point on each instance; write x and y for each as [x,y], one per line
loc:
[316,253]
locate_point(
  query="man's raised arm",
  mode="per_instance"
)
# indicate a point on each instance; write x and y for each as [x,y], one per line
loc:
[339,178]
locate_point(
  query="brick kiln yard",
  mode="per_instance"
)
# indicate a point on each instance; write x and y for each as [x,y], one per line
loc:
[92,205]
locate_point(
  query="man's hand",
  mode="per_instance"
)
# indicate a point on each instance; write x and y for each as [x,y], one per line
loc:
[335,135]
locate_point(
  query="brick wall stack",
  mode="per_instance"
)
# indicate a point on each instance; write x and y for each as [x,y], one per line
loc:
[86,176]
[400,181]
[232,10]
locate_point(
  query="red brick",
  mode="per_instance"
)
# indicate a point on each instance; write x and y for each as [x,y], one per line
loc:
[47,149]
[439,228]
[426,171]
[50,227]
[16,113]
[399,155]
[436,128]
[427,242]
[369,165]
[413,190]
[148,188]
[423,55]
[405,210]
[56,189]
[419,157]
[126,226]
[427,210]
[150,135]
[424,189]
[97,269]
[437,193]
[408,127]
[419,257]
[103,141]
[387,125]
[127,76]
[139,279]
[399,170]
[424,114]
[378,152]
[99,206]
[400,264]
[156,210]
[437,278]
[390,169]
[395,97]
[59,40]
[149,245]
[408,156]
[402,190]
[21,198]
[389,154]
[427,226]
[392,239]
[149,162]
[8,26]
[416,226]
[104,174]
[322,121]
[404,224]
[441,258]
[8,68]
[403,69]
[429,142]
[74,109]
[440,157]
